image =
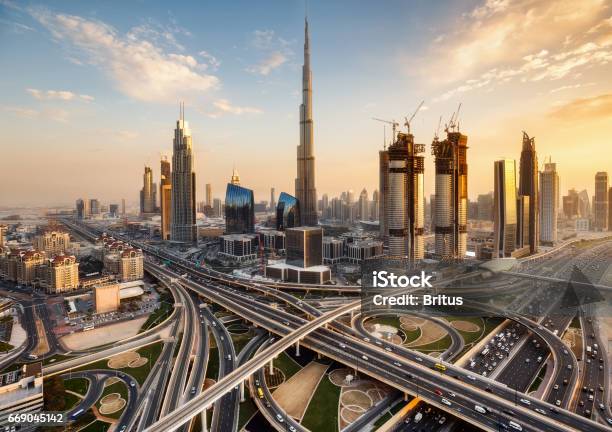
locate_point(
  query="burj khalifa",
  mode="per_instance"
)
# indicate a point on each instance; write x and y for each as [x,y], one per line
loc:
[305,190]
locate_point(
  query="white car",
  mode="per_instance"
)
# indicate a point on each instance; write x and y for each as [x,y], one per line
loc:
[526,402]
[446,402]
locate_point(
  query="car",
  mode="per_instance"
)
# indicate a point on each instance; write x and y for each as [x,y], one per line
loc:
[556,386]
[446,402]
[451,394]
[600,367]
[193,390]
[558,402]
[540,410]
[292,429]
[379,343]
[609,420]
[438,392]
[526,401]
[388,349]
[565,382]
[132,384]
[342,346]
[601,388]
[366,339]
[581,403]
[569,367]
[602,406]
[396,363]
[471,377]
[280,418]
[419,359]
[527,360]
[480,409]
[365,357]
[442,420]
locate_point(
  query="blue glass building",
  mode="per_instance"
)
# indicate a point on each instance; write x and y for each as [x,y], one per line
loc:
[287,212]
[239,210]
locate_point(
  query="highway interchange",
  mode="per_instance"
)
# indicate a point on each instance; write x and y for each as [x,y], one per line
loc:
[323,333]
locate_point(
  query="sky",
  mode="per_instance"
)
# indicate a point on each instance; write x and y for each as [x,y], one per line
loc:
[89,92]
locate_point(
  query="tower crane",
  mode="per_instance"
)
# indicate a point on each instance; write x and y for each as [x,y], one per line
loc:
[407,121]
[436,135]
[393,124]
[453,122]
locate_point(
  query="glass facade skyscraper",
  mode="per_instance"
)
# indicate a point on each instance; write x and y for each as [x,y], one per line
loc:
[239,210]
[287,212]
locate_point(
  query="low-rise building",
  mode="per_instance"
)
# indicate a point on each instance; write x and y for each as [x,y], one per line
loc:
[21,391]
[319,274]
[274,241]
[106,297]
[333,250]
[60,274]
[238,247]
[52,242]
[363,249]
[132,264]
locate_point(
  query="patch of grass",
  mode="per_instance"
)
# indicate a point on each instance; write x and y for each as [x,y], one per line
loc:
[246,411]
[158,316]
[390,320]
[287,365]
[77,385]
[96,426]
[538,380]
[436,346]
[382,420]
[212,370]
[576,323]
[5,346]
[411,335]
[70,400]
[118,387]
[322,412]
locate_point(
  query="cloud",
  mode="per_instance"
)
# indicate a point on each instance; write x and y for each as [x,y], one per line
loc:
[58,95]
[570,87]
[277,51]
[502,33]
[49,113]
[224,106]
[267,65]
[212,61]
[136,62]
[596,107]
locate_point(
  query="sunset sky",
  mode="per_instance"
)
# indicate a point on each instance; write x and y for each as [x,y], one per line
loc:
[89,92]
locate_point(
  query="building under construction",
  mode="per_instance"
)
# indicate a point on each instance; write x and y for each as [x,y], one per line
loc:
[451,199]
[405,204]
[383,176]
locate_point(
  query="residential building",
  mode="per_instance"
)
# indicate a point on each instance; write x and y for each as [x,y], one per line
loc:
[52,241]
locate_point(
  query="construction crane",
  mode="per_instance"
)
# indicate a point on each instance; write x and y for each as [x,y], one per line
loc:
[393,124]
[436,135]
[407,122]
[453,122]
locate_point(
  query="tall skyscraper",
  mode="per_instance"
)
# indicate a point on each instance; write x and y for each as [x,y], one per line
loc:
[405,206]
[165,199]
[183,219]
[383,187]
[610,209]
[549,203]
[600,201]
[148,192]
[375,205]
[94,206]
[485,206]
[208,195]
[80,209]
[451,195]
[364,205]
[272,199]
[504,202]
[305,190]
[528,186]
[571,204]
[123,206]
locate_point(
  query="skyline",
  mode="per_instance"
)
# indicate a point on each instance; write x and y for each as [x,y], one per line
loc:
[242,95]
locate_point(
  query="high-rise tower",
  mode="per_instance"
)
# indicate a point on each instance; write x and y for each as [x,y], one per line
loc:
[504,213]
[405,204]
[148,192]
[183,184]
[165,199]
[451,195]
[383,178]
[549,204]
[528,186]
[600,201]
[305,190]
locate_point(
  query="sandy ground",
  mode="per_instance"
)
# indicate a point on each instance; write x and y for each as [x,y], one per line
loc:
[102,335]
[294,394]
[122,360]
[357,398]
[430,332]
[465,326]
[43,344]
[18,334]
[111,403]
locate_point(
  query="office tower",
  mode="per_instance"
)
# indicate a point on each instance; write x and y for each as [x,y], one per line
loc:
[287,212]
[272,199]
[451,195]
[610,209]
[239,210]
[584,205]
[405,211]
[208,195]
[304,246]
[549,203]
[80,209]
[94,206]
[522,221]
[147,193]
[528,186]
[165,199]
[235,177]
[325,203]
[600,201]
[374,207]
[485,206]
[364,205]
[305,190]
[217,209]
[113,210]
[504,201]
[183,219]
[123,206]
[571,204]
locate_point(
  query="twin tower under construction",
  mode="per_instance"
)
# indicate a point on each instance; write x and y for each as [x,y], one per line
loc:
[402,196]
